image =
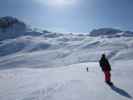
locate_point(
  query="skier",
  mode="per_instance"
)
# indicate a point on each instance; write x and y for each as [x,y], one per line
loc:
[87,69]
[106,68]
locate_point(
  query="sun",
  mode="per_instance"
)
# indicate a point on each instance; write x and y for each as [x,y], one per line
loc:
[61,2]
[58,3]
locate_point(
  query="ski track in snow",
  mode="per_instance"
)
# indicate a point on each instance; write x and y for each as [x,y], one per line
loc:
[66,83]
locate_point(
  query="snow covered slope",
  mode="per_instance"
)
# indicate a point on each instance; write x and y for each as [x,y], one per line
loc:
[67,83]
[52,66]
[62,50]
[26,74]
[49,49]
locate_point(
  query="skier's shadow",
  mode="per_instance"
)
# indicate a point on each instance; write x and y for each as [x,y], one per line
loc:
[120,91]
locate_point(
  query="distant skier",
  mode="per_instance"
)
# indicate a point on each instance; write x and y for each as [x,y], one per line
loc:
[106,68]
[87,69]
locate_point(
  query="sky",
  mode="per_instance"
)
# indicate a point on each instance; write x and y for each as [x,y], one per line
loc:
[71,15]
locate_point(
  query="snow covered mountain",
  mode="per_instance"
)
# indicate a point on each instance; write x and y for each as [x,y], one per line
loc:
[52,66]
[11,27]
[50,49]
[110,32]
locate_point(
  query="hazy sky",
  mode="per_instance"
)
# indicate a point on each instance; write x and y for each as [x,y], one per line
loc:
[71,15]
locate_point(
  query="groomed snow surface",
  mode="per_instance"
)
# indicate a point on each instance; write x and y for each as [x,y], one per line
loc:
[67,83]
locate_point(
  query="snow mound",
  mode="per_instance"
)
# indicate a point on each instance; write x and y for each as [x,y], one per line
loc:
[23,44]
[62,50]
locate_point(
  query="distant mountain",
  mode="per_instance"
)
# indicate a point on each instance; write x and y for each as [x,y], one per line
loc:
[6,22]
[17,40]
[11,27]
[110,32]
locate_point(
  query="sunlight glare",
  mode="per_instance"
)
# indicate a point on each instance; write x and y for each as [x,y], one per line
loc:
[57,3]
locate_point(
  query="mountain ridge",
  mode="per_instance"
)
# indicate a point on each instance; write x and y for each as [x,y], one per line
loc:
[11,27]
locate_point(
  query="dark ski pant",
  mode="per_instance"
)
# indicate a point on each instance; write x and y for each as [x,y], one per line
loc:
[107,76]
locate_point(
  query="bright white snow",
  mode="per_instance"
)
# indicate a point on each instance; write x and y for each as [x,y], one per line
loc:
[51,66]
[67,83]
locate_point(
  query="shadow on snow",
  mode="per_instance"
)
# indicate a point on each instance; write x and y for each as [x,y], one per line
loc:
[120,91]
